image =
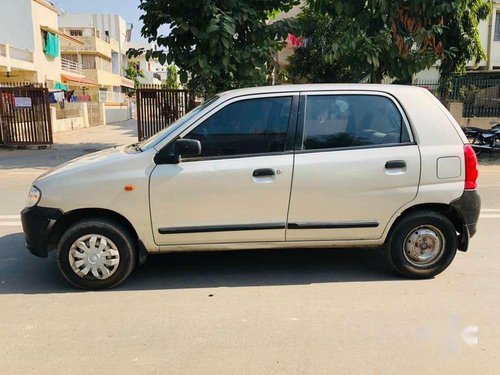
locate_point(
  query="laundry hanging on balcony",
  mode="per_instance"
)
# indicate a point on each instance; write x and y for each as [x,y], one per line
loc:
[61,86]
[51,45]
[56,97]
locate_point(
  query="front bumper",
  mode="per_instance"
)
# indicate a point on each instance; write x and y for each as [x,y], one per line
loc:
[469,207]
[37,225]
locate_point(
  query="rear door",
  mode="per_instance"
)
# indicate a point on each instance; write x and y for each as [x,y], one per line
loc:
[355,166]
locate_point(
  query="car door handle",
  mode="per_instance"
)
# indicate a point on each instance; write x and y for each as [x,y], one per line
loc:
[264,172]
[395,164]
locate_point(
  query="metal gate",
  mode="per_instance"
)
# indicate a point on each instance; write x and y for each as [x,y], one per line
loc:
[25,116]
[158,108]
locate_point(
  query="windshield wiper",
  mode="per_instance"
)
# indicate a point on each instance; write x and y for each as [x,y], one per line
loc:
[135,146]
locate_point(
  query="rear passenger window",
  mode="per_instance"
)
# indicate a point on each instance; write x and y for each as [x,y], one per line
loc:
[334,121]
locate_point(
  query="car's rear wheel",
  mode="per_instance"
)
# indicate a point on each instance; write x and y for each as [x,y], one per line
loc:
[422,244]
[96,254]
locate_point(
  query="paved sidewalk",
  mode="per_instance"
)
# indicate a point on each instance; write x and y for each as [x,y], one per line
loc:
[69,145]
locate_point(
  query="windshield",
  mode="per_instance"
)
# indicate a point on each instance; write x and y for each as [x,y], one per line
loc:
[150,142]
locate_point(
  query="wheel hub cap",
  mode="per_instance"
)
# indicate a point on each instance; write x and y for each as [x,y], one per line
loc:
[94,256]
[424,246]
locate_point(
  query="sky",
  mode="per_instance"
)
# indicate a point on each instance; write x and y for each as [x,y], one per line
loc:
[128,9]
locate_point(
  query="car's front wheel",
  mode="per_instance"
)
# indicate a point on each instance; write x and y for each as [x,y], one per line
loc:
[96,254]
[422,244]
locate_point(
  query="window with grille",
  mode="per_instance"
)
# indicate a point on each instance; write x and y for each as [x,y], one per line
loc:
[89,61]
[76,32]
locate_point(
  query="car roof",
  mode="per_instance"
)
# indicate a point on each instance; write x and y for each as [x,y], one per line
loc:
[395,90]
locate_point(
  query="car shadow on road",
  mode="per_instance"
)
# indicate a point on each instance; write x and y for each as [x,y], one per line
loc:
[23,273]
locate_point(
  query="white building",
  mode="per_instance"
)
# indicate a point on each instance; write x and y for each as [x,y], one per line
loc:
[103,56]
[24,25]
[153,71]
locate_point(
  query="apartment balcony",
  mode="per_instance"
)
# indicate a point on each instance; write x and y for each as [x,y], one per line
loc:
[20,54]
[127,83]
[15,53]
[15,58]
[103,77]
[72,67]
[112,97]
[151,78]
[93,42]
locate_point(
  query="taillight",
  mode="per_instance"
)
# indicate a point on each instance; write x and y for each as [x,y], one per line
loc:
[471,172]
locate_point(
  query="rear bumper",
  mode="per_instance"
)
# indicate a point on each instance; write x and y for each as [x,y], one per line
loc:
[37,225]
[469,207]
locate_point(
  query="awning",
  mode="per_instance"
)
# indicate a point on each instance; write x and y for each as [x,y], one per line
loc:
[62,35]
[84,81]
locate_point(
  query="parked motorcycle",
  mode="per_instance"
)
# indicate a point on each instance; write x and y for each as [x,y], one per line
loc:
[484,139]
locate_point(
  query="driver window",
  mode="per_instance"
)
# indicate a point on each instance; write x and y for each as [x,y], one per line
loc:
[247,127]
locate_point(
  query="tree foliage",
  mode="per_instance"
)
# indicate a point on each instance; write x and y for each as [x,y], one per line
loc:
[308,64]
[133,72]
[217,44]
[172,78]
[399,38]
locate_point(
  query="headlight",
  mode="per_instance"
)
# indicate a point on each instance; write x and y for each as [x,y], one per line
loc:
[33,197]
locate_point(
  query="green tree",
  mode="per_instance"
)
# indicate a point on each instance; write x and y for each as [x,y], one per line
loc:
[399,38]
[217,44]
[307,63]
[172,79]
[133,72]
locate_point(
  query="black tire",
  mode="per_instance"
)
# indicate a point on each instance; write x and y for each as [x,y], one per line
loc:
[125,244]
[399,236]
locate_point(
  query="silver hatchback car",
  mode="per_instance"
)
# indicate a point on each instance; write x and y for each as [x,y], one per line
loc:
[304,166]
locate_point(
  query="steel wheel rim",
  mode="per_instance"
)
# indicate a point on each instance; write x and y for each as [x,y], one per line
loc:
[424,246]
[94,256]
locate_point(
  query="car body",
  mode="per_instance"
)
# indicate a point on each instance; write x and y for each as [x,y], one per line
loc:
[299,166]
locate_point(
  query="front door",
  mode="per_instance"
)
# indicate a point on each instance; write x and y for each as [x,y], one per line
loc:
[238,190]
[356,166]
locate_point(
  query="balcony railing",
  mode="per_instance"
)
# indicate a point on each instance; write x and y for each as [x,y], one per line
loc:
[91,44]
[20,54]
[72,67]
[111,97]
[81,32]
[127,82]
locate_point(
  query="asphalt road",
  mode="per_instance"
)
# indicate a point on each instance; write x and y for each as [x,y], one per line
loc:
[252,312]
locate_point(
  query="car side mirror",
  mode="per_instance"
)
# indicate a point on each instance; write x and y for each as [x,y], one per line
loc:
[181,147]
[187,147]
